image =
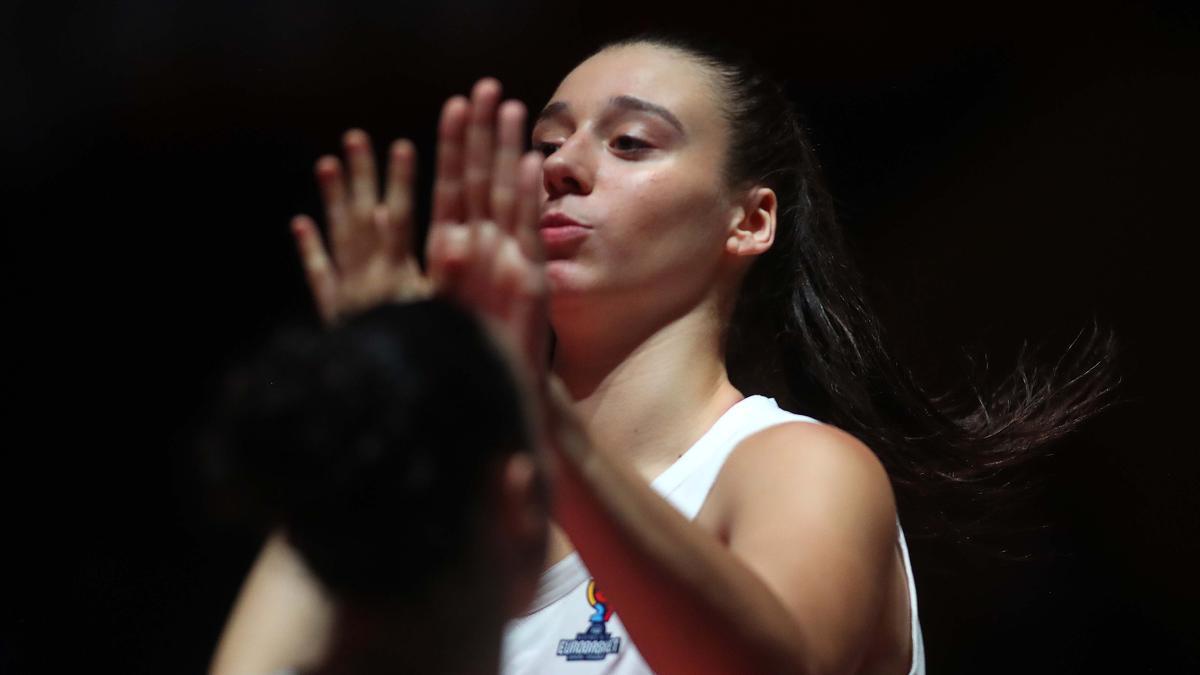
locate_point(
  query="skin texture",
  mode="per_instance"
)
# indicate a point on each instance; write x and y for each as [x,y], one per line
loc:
[792,564]
[641,302]
[666,228]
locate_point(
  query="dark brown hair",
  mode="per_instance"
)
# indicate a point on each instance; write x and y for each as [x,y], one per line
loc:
[804,332]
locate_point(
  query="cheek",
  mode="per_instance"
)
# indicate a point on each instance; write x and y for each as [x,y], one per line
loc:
[669,217]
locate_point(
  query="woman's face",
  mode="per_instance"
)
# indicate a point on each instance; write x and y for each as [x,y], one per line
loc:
[635,145]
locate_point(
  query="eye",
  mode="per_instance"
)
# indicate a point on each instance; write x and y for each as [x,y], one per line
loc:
[545,148]
[627,143]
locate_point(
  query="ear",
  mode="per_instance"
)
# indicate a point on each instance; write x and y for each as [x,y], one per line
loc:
[522,508]
[524,528]
[752,225]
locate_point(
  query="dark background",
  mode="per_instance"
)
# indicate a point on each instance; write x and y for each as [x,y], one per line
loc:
[1005,171]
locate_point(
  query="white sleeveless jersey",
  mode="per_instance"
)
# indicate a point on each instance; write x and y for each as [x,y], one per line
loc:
[570,628]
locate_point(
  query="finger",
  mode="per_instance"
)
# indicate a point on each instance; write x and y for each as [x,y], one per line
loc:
[385,232]
[521,285]
[448,179]
[480,139]
[333,193]
[507,278]
[511,126]
[360,160]
[446,253]
[529,206]
[318,269]
[534,315]
[402,160]
[478,287]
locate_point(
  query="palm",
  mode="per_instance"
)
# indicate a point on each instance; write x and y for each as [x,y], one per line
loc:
[483,248]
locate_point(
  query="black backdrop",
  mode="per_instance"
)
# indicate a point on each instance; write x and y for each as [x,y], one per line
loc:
[1006,172]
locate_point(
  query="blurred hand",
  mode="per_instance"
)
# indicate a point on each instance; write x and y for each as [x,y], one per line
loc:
[370,258]
[483,249]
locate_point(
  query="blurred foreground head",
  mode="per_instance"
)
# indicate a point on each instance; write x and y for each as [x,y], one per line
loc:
[395,454]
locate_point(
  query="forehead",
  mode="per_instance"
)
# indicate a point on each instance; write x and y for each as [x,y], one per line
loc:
[661,76]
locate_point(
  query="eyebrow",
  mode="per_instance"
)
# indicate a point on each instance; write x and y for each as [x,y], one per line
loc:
[623,102]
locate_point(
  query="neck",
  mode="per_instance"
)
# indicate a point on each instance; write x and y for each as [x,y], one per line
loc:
[646,388]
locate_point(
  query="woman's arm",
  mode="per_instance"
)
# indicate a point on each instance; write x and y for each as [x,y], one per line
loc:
[282,617]
[811,538]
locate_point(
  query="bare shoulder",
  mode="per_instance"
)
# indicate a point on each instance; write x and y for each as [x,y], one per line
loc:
[802,467]
[809,508]
[804,443]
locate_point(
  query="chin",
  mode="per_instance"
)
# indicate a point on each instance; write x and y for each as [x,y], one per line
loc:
[571,284]
[565,278]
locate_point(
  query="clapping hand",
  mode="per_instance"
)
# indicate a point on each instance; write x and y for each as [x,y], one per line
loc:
[483,249]
[370,256]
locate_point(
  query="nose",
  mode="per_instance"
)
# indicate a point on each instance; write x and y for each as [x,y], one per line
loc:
[570,169]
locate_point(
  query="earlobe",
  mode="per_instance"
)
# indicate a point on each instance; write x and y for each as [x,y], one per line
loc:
[739,243]
[733,243]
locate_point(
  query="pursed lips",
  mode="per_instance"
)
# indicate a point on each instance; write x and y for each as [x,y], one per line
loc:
[556,220]
[561,234]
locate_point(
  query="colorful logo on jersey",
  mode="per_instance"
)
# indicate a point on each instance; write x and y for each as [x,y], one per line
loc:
[595,643]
